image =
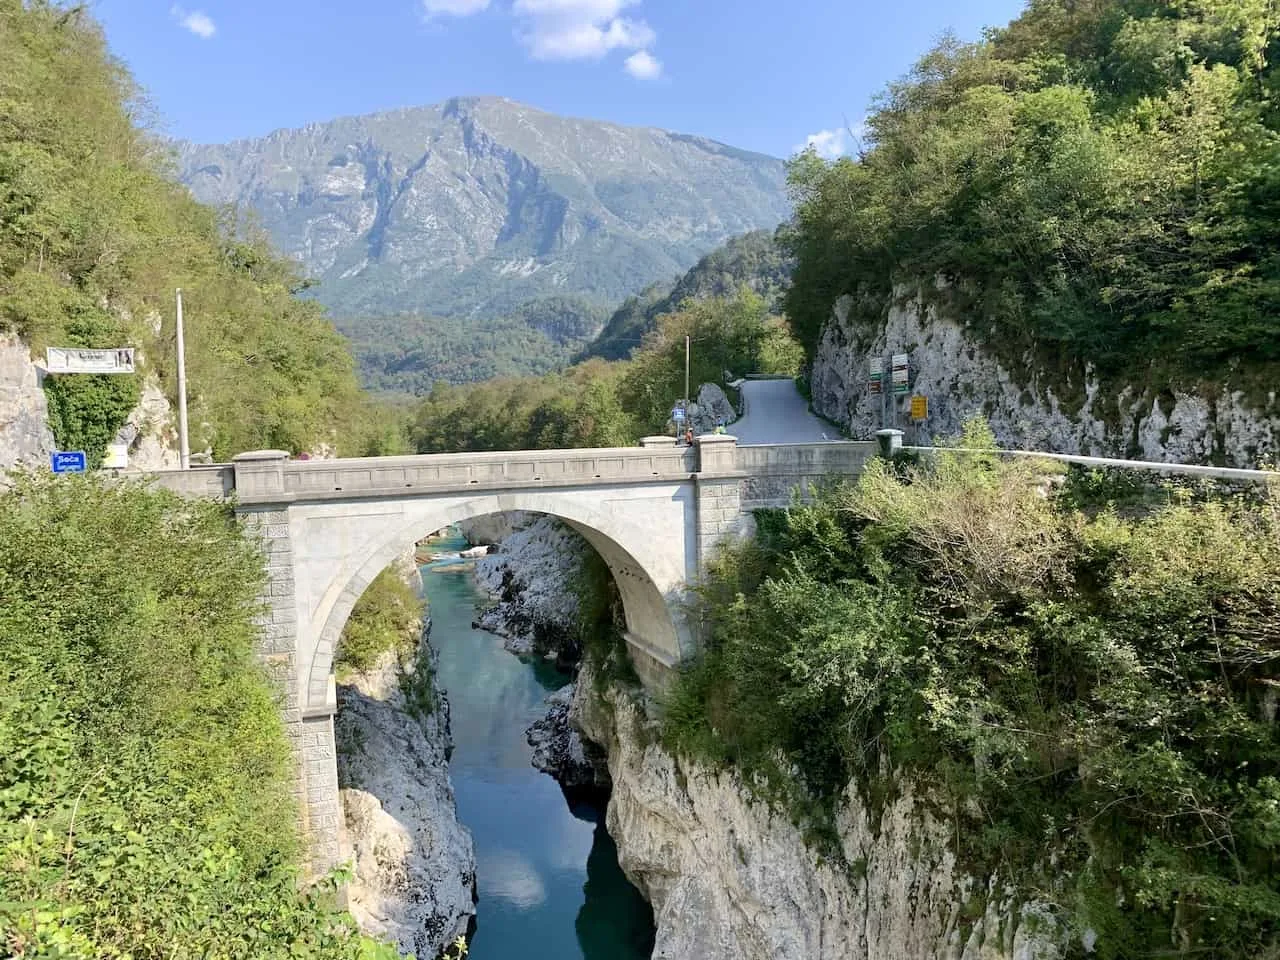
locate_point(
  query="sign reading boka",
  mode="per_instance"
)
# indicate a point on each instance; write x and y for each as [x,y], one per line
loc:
[75,360]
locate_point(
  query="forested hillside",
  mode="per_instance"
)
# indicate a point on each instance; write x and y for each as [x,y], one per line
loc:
[603,404]
[408,353]
[753,260]
[95,236]
[1097,181]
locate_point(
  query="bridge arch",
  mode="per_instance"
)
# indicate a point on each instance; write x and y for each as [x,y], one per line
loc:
[650,576]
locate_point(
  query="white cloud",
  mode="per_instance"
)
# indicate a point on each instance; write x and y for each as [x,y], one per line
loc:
[828,144]
[196,21]
[643,65]
[454,8]
[580,29]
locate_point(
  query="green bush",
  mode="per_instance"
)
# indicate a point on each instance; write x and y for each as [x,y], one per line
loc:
[1086,696]
[146,808]
[386,619]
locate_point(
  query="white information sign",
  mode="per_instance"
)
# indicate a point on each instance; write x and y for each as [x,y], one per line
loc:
[117,457]
[75,360]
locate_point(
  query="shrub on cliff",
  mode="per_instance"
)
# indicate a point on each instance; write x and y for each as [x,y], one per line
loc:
[145,779]
[1090,698]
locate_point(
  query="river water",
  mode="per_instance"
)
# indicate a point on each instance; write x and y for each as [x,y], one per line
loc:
[550,887]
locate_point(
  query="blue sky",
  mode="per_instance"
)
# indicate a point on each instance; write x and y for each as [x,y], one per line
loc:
[759,74]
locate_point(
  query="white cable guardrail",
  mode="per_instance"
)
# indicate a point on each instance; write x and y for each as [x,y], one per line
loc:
[1150,466]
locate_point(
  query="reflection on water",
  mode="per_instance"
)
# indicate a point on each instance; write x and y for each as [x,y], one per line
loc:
[549,883]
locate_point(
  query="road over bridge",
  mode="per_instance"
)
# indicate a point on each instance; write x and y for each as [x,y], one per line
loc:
[655,513]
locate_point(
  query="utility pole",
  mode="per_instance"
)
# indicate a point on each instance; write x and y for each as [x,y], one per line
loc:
[185,449]
[686,372]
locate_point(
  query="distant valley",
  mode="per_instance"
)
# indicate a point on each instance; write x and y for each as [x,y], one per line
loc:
[480,236]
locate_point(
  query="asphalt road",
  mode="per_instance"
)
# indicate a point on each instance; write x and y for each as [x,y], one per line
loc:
[774,412]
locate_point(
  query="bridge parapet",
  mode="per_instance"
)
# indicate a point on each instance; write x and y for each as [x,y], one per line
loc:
[770,473]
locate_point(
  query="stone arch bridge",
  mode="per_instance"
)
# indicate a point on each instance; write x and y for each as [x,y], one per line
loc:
[655,513]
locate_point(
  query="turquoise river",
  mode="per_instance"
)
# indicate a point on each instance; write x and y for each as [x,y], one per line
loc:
[550,887]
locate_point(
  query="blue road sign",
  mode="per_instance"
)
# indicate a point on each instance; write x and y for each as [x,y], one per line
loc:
[677,414]
[70,461]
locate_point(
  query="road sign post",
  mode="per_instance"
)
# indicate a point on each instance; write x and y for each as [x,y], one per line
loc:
[69,461]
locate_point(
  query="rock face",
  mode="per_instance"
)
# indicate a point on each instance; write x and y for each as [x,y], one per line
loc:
[962,379]
[151,432]
[712,408]
[729,879]
[532,577]
[25,438]
[478,204]
[27,441]
[414,862]
[578,765]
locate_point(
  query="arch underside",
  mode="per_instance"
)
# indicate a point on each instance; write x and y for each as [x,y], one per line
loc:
[338,552]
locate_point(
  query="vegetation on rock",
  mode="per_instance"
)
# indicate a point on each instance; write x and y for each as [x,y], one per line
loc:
[1087,695]
[1095,181]
[754,260]
[386,619]
[146,808]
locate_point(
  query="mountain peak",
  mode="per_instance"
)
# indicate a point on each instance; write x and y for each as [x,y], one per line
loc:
[478,204]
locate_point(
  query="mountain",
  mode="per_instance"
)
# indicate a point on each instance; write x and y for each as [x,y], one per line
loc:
[754,259]
[478,206]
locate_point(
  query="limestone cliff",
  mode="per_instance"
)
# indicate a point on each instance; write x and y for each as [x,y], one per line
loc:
[731,879]
[1028,407]
[414,862]
[531,576]
[27,441]
[25,438]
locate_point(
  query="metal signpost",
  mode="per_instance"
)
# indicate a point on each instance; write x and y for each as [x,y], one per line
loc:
[69,461]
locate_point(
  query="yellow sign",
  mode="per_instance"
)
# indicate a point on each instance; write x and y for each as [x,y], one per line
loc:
[919,407]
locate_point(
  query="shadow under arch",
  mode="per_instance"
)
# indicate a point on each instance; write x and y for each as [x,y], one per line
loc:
[651,588]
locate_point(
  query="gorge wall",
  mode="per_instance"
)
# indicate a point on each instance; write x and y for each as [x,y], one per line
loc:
[729,878]
[1028,406]
[414,863]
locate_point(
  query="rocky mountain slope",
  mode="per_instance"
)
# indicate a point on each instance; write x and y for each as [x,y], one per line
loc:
[478,205]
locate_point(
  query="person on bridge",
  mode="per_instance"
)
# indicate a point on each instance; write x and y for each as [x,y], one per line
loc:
[688,436]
